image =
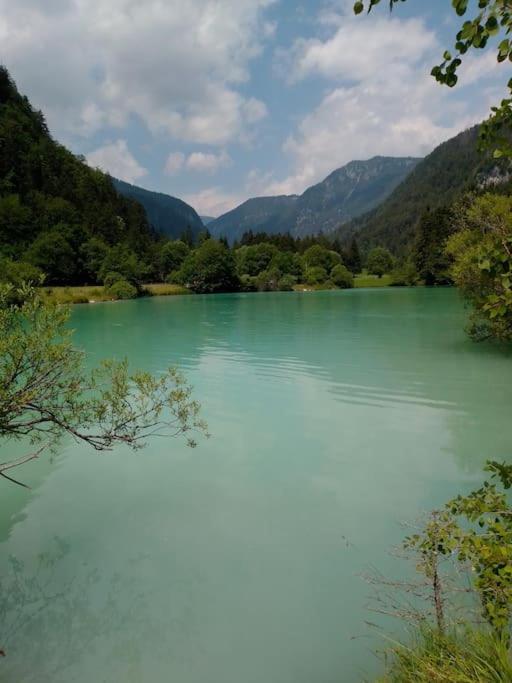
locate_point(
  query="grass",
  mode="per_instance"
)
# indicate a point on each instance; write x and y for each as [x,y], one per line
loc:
[366,280]
[468,656]
[95,293]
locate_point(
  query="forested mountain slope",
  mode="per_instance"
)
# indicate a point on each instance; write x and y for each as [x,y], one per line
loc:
[444,175]
[347,192]
[167,215]
[51,203]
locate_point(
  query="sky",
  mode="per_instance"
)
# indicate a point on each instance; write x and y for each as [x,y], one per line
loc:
[216,101]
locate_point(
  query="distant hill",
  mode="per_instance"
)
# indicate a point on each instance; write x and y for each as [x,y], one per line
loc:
[52,204]
[347,192]
[167,215]
[452,168]
[207,219]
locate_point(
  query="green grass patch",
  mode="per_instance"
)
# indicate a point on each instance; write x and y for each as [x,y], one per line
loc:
[467,656]
[96,293]
[366,280]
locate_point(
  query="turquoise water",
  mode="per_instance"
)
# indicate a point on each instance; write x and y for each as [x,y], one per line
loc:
[335,416]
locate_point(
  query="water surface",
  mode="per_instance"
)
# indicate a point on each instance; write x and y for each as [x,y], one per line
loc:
[335,417]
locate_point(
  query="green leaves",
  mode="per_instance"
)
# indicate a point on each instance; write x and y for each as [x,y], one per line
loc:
[494,17]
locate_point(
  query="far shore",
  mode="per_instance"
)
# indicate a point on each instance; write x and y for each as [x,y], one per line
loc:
[92,294]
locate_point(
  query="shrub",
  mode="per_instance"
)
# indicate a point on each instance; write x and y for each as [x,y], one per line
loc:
[286,283]
[342,277]
[122,289]
[315,275]
[112,277]
[404,275]
[268,280]
[248,283]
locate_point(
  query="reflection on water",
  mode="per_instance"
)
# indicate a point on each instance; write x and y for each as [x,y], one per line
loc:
[334,415]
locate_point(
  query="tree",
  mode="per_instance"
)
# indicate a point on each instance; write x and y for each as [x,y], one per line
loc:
[172,256]
[46,393]
[53,254]
[493,18]
[342,277]
[379,262]
[256,258]
[320,257]
[210,268]
[353,259]
[482,254]
[431,259]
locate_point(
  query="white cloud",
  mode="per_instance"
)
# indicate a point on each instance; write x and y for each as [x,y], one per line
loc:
[116,159]
[207,162]
[174,163]
[175,65]
[380,98]
[213,201]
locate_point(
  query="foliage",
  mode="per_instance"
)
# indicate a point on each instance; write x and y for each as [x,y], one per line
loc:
[431,259]
[493,18]
[18,272]
[46,393]
[464,656]
[482,253]
[352,258]
[380,261]
[476,530]
[404,275]
[320,257]
[341,277]
[171,256]
[55,212]
[252,260]
[286,283]
[268,280]
[210,268]
[316,275]
[122,289]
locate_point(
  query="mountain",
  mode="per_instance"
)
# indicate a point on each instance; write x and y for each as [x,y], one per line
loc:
[207,219]
[167,215]
[444,175]
[347,192]
[51,202]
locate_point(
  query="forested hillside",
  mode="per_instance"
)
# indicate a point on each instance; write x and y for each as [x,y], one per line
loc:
[167,215]
[349,191]
[441,178]
[56,213]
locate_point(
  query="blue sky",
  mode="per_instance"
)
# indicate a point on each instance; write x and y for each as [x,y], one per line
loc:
[215,101]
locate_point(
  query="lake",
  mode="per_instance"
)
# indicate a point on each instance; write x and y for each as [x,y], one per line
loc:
[335,417]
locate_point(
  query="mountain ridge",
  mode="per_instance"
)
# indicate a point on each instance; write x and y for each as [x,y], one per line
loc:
[345,193]
[168,215]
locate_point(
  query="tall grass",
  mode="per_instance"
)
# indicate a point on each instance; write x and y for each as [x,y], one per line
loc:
[467,656]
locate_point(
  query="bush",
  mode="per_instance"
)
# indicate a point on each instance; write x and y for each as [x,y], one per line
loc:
[175,278]
[316,275]
[248,283]
[122,289]
[111,278]
[342,277]
[404,275]
[18,272]
[268,280]
[286,283]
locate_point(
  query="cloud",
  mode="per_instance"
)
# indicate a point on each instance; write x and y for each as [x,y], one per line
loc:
[116,159]
[174,163]
[213,201]
[205,162]
[176,66]
[379,98]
